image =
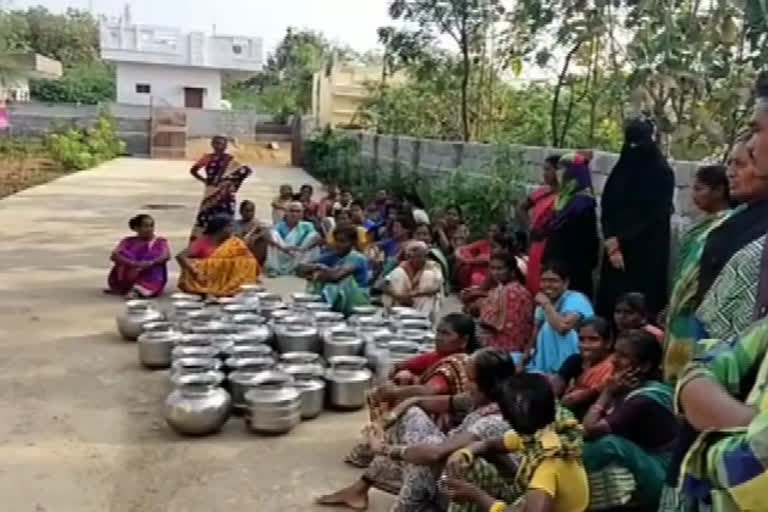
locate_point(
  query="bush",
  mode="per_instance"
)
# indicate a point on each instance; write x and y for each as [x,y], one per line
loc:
[90,85]
[80,149]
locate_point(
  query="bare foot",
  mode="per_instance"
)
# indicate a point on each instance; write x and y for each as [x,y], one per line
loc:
[355,497]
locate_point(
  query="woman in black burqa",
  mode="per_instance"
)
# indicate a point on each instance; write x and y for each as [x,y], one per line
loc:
[635,214]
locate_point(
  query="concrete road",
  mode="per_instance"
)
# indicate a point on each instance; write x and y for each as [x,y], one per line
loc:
[81,426]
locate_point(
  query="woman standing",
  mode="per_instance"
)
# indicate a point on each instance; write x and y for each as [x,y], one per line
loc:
[140,261]
[711,196]
[572,230]
[540,205]
[223,178]
[635,212]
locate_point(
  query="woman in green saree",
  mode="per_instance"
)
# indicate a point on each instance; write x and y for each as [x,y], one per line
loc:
[710,195]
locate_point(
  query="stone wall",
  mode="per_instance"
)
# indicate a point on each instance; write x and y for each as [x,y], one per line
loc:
[437,158]
[133,121]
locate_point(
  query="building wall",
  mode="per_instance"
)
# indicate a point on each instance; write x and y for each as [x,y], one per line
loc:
[167,84]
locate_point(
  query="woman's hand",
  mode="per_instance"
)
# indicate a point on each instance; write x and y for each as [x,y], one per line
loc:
[458,464]
[624,382]
[616,259]
[459,491]
[385,393]
[404,378]
[542,299]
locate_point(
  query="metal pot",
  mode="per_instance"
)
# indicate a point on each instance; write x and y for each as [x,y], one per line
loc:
[293,362]
[342,343]
[181,308]
[403,313]
[207,327]
[196,351]
[369,322]
[194,365]
[197,340]
[400,351]
[136,314]
[364,310]
[414,324]
[243,308]
[166,327]
[297,338]
[274,405]
[250,363]
[312,390]
[316,307]
[203,315]
[247,351]
[304,298]
[348,381]
[242,381]
[186,297]
[278,315]
[266,296]
[250,294]
[414,335]
[198,406]
[155,348]
[377,349]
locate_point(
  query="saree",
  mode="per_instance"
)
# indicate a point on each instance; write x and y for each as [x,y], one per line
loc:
[301,236]
[404,279]
[472,274]
[541,207]
[649,470]
[414,485]
[508,309]
[451,368]
[351,291]
[727,470]
[680,341]
[148,282]
[223,178]
[224,271]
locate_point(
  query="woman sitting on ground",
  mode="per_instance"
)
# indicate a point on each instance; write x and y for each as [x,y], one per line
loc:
[558,313]
[292,240]
[506,313]
[280,204]
[339,275]
[585,375]
[217,263]
[343,219]
[424,234]
[388,254]
[251,231]
[412,444]
[417,282]
[472,260]
[631,312]
[551,476]
[632,424]
[440,372]
[139,268]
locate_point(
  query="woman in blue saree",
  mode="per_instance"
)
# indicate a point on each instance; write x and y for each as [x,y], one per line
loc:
[339,276]
[291,243]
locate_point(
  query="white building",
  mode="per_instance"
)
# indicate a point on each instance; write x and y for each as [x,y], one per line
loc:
[19,68]
[165,67]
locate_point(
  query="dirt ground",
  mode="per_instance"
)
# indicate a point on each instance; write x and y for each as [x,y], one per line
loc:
[251,152]
[19,173]
[81,425]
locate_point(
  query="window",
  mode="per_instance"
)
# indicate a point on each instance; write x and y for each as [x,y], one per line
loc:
[237,49]
[143,88]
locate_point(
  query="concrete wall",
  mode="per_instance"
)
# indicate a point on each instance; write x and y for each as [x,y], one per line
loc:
[437,158]
[167,84]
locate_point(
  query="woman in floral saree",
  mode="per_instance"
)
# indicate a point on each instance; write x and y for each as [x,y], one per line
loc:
[139,268]
[710,195]
[412,448]
[217,263]
[223,178]
[440,372]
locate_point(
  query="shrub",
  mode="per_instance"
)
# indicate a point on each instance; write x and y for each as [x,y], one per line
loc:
[83,148]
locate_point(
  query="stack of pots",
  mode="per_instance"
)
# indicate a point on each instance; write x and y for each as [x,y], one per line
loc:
[341,341]
[296,334]
[245,374]
[137,313]
[273,404]
[311,388]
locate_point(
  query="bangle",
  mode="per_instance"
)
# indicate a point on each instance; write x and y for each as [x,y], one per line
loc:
[498,506]
[397,452]
[467,455]
[512,441]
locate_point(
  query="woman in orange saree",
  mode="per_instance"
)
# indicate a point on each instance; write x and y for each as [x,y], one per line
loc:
[217,263]
[223,178]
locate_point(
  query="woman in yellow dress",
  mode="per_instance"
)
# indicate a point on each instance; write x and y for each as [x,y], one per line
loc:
[217,263]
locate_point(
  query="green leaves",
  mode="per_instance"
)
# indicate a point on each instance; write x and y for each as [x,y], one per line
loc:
[78,149]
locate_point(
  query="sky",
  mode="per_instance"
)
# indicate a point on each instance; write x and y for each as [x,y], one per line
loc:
[345,21]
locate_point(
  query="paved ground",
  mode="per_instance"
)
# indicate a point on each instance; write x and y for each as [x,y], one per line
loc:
[81,425]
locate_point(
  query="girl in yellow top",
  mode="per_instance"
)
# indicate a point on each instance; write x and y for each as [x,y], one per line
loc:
[551,476]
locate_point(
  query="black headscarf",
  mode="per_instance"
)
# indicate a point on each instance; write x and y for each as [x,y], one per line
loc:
[641,184]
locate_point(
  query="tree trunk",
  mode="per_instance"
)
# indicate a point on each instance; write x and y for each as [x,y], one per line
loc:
[558,87]
[465,90]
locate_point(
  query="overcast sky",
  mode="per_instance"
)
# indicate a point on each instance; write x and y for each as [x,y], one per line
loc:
[350,21]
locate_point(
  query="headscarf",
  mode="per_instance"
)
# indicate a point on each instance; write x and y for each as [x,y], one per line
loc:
[575,194]
[641,183]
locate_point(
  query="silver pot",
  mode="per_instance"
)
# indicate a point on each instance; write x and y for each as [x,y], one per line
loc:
[198,406]
[348,380]
[364,310]
[377,349]
[232,310]
[253,288]
[266,296]
[242,381]
[204,315]
[187,297]
[341,343]
[414,335]
[251,363]
[298,362]
[194,365]
[278,315]
[207,327]
[296,338]
[247,351]
[136,314]
[312,390]
[274,405]
[180,309]
[155,348]
[403,313]
[161,326]
[414,324]
[195,351]
[196,340]
[316,307]
[304,298]
[327,318]
[369,322]
[400,351]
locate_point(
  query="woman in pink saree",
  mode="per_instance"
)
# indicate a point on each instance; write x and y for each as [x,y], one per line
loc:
[139,268]
[540,205]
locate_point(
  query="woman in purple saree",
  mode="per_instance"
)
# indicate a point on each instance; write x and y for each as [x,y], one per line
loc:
[140,261]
